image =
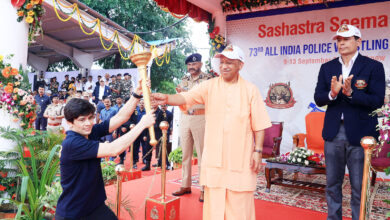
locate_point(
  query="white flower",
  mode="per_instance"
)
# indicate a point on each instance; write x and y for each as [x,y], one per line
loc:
[293,160]
[306,162]
[299,160]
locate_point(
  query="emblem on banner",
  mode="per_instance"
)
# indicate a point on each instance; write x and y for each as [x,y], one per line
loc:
[280,96]
[154,213]
[360,84]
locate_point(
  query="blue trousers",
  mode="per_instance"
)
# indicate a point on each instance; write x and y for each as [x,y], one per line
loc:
[41,123]
[338,154]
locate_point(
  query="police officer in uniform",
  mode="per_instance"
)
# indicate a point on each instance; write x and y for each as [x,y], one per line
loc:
[127,86]
[192,123]
[116,88]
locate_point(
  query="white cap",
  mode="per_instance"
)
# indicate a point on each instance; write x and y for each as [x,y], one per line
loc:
[231,52]
[347,30]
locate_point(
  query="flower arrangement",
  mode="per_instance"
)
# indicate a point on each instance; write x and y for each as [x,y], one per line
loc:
[302,156]
[383,126]
[15,94]
[31,11]
[217,41]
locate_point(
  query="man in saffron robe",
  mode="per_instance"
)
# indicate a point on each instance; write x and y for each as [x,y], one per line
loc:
[235,121]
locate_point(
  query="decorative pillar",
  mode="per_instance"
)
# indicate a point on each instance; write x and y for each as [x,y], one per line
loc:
[14,39]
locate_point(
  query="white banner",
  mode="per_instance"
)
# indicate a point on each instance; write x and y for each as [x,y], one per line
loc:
[284,53]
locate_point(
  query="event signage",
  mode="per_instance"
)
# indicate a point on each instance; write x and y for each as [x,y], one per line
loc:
[284,50]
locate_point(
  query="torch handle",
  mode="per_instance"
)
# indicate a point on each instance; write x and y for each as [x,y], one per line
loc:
[146,94]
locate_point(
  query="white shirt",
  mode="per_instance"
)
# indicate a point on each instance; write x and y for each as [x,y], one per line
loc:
[346,70]
[89,84]
[101,92]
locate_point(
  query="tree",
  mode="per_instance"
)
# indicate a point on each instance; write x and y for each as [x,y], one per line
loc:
[144,16]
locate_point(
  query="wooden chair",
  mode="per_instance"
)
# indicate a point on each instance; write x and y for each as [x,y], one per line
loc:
[314,124]
[272,140]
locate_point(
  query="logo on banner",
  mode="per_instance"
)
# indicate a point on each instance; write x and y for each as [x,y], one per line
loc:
[280,96]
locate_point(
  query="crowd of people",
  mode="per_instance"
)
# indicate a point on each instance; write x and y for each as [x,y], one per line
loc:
[224,119]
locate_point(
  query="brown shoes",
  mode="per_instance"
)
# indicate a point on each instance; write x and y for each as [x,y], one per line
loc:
[182,191]
[201,197]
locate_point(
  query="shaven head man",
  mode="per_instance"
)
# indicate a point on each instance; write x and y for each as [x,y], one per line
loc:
[236,116]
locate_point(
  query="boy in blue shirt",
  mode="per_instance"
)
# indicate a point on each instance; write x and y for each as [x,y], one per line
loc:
[83,193]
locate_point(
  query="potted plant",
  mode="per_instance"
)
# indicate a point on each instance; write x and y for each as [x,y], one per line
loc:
[108,172]
[36,172]
[176,157]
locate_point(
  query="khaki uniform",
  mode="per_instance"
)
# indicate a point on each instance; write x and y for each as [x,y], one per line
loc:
[192,126]
[54,111]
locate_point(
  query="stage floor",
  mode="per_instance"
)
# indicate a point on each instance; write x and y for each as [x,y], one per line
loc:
[136,191]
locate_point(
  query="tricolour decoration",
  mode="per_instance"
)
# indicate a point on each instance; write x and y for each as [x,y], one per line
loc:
[280,96]
[95,25]
[31,11]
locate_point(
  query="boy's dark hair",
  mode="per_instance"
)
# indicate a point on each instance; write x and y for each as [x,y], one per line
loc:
[356,37]
[76,108]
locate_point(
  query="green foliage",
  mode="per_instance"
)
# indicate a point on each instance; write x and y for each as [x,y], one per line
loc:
[176,156]
[8,170]
[143,16]
[37,172]
[52,195]
[108,171]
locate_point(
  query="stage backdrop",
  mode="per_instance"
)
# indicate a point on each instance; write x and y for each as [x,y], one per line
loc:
[94,73]
[285,48]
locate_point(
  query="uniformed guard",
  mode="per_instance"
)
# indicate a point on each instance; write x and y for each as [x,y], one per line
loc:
[127,86]
[54,113]
[192,123]
[116,88]
[65,84]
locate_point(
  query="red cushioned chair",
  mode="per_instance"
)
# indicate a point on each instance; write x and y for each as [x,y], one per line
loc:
[272,139]
[380,161]
[314,124]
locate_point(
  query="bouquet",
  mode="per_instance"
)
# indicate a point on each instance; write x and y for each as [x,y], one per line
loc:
[15,94]
[302,156]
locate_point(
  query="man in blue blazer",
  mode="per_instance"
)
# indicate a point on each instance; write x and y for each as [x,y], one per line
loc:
[101,91]
[352,86]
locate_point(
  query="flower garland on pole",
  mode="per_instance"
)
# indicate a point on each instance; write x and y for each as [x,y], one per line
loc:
[31,11]
[217,43]
[95,25]
[15,94]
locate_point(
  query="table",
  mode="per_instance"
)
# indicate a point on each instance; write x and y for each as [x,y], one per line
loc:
[278,167]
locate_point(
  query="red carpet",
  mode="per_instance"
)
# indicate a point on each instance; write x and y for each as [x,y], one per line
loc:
[190,208]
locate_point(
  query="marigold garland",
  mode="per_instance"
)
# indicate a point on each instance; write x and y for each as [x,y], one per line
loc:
[97,26]
[31,11]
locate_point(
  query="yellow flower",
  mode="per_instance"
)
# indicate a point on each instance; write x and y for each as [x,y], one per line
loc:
[29,6]
[1,58]
[16,90]
[17,83]
[30,13]
[35,2]
[20,13]
[29,19]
